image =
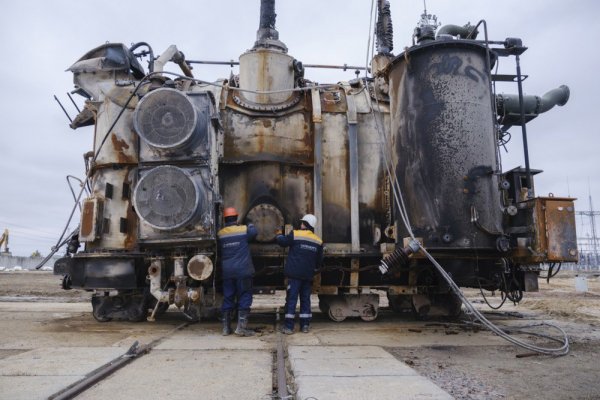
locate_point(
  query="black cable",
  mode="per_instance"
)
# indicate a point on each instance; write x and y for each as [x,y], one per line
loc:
[150,53]
[502,295]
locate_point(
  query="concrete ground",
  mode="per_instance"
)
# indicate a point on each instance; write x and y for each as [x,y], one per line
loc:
[50,340]
[49,346]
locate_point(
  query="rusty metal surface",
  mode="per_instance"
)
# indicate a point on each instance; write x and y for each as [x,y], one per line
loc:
[285,187]
[266,70]
[555,239]
[91,219]
[286,139]
[443,129]
[336,198]
[122,146]
[333,101]
[113,188]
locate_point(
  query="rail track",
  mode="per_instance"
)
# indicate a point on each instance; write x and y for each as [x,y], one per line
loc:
[280,369]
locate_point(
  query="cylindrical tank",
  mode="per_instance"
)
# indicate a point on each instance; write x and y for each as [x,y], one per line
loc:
[443,132]
[266,70]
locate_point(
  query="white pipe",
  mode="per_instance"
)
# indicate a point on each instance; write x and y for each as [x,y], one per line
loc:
[154,274]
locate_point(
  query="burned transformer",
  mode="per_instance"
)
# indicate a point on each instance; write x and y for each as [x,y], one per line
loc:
[403,158]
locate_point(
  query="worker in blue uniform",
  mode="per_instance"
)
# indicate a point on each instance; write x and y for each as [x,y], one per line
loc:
[303,261]
[238,271]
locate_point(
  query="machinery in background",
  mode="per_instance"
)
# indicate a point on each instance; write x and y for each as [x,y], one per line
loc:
[4,243]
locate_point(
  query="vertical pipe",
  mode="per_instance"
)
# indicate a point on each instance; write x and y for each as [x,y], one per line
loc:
[353,161]
[318,161]
[179,267]
[523,128]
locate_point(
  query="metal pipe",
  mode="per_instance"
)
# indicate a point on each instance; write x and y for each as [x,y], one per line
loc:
[232,63]
[318,160]
[353,161]
[464,32]
[173,54]
[61,106]
[73,101]
[155,273]
[523,127]
[533,105]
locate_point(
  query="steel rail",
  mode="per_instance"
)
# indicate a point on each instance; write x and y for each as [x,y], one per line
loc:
[103,372]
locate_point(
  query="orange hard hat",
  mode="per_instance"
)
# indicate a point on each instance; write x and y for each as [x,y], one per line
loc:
[230,212]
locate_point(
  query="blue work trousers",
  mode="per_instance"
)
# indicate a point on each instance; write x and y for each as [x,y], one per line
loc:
[295,288]
[237,293]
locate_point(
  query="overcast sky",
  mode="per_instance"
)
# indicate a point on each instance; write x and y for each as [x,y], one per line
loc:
[40,39]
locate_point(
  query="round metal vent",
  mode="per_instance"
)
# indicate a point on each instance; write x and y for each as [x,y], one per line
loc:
[267,219]
[200,267]
[167,197]
[165,118]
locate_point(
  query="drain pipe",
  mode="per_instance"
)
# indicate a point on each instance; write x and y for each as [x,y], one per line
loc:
[154,274]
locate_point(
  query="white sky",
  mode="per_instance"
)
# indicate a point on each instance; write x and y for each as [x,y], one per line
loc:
[40,39]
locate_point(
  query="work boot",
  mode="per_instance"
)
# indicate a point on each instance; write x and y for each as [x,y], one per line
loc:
[226,323]
[287,331]
[304,329]
[242,325]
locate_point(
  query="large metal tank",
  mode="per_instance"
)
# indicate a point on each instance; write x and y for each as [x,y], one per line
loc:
[442,126]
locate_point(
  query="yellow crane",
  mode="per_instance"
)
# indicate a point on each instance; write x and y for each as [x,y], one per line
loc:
[4,242]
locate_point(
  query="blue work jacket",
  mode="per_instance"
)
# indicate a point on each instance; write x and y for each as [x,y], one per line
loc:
[235,252]
[305,256]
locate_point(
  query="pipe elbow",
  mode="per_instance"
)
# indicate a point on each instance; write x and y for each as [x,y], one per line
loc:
[558,96]
[456,30]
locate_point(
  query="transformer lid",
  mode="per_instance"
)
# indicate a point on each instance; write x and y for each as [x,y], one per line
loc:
[165,118]
[167,197]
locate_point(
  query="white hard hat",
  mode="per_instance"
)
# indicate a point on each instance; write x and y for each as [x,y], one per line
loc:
[310,219]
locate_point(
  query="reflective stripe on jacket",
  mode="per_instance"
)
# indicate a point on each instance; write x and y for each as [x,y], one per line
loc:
[305,256]
[235,252]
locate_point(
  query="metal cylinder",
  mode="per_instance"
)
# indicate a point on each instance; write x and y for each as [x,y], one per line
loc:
[266,70]
[443,132]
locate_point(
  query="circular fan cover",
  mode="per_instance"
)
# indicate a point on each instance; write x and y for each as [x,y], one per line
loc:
[167,198]
[165,118]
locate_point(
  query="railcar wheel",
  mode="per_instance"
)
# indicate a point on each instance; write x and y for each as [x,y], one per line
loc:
[369,313]
[101,317]
[336,313]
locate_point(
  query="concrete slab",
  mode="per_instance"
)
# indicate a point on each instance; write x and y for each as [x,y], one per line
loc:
[187,341]
[33,387]
[58,361]
[39,373]
[337,352]
[351,367]
[395,337]
[369,388]
[205,374]
[357,372]
[30,307]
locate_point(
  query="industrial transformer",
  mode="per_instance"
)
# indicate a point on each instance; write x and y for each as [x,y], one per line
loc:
[409,152]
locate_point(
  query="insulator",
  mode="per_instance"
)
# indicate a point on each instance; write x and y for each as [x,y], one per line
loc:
[398,258]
